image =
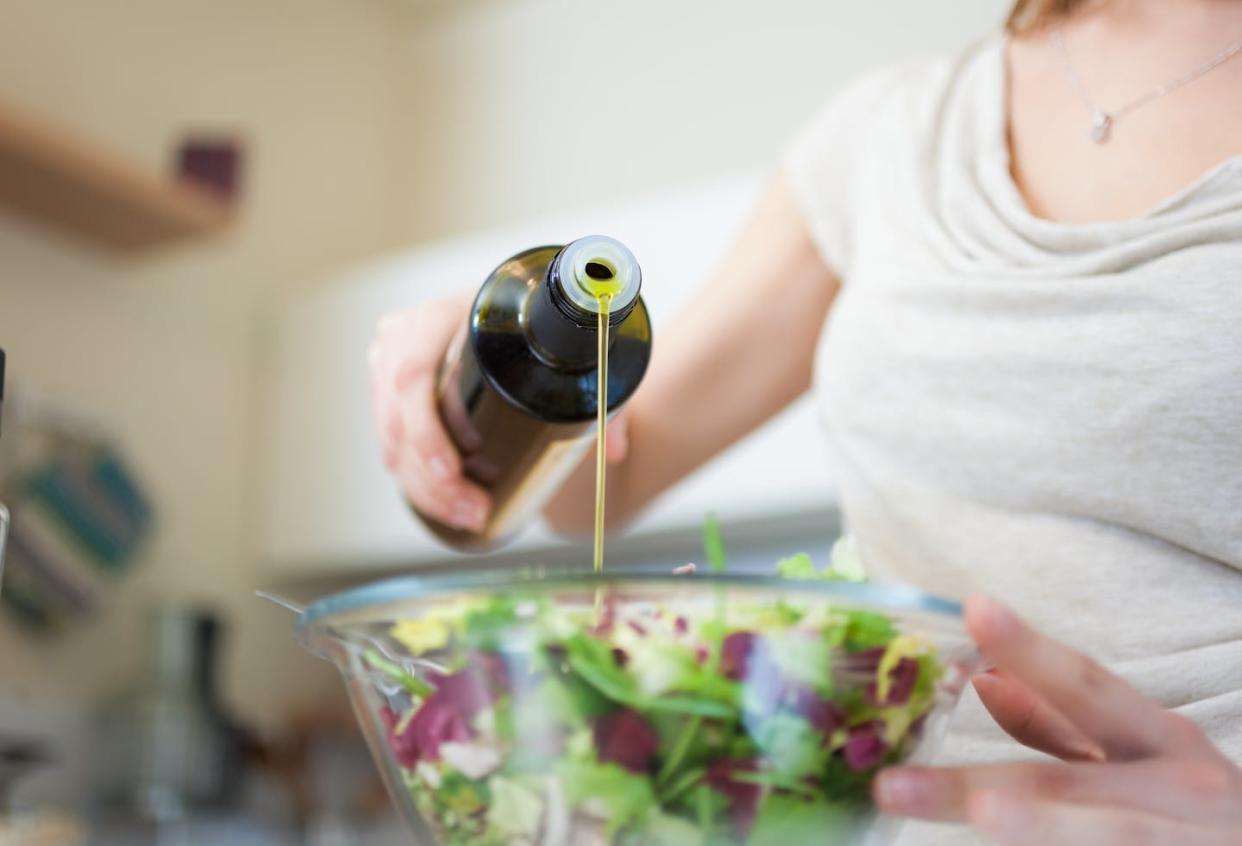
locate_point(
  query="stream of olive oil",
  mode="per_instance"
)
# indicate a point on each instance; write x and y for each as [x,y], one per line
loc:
[601,424]
[603,283]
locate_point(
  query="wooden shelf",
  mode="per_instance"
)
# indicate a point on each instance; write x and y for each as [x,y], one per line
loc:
[69,183]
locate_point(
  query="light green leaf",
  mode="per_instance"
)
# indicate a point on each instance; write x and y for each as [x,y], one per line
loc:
[867,630]
[791,747]
[786,820]
[516,809]
[797,566]
[846,562]
[804,657]
[627,797]
[667,830]
[713,545]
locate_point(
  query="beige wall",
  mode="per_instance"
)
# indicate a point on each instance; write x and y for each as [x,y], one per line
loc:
[518,107]
[370,123]
[163,349]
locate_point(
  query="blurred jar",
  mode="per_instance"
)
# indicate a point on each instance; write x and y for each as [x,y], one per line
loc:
[165,749]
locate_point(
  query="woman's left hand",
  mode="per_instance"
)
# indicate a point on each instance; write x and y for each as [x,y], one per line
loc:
[1131,773]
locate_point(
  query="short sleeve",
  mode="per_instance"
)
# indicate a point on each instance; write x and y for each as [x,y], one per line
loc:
[824,161]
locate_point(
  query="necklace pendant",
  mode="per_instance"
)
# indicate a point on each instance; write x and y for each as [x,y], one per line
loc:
[1101,126]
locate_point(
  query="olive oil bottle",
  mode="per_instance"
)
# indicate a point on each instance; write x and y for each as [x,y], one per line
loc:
[519,391]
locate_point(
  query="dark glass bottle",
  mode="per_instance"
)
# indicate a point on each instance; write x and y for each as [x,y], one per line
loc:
[517,391]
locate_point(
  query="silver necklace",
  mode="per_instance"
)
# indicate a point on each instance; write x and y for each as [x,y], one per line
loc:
[1102,119]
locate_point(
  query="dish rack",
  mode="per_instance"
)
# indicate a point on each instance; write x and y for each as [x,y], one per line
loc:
[75,517]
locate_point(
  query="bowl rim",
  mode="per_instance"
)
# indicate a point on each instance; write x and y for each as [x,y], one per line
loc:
[396,589]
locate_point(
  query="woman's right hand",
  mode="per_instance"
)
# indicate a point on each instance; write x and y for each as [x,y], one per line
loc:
[404,360]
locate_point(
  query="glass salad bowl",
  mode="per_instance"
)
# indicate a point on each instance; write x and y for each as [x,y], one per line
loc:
[565,709]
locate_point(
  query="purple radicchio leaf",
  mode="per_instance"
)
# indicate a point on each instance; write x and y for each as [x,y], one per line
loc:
[743,796]
[865,746]
[625,738]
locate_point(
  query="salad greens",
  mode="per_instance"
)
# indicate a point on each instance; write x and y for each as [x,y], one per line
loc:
[518,720]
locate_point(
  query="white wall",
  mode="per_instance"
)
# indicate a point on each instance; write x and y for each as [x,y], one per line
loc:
[521,107]
[163,349]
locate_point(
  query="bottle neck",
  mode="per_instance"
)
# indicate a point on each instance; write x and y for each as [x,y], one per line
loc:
[586,277]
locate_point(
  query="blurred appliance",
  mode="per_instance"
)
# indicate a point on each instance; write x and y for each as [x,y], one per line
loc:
[166,747]
[18,756]
[331,503]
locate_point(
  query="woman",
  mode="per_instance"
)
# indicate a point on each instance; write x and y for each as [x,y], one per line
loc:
[1014,282]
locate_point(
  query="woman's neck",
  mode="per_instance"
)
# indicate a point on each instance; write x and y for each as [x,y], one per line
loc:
[1122,53]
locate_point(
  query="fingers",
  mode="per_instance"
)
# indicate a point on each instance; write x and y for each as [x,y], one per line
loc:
[403,363]
[1010,821]
[418,421]
[387,424]
[456,501]
[1192,791]
[1029,719]
[1125,724]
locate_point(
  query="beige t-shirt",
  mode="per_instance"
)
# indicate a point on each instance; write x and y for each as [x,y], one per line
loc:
[1045,411]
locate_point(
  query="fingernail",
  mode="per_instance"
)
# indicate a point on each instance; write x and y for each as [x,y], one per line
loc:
[469,515]
[1087,751]
[998,814]
[1002,620]
[440,467]
[902,790]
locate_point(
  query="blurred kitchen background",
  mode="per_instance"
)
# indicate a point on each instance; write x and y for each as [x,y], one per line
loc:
[203,208]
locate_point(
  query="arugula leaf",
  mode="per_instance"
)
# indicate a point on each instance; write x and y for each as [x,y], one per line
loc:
[776,781]
[592,660]
[411,683]
[713,545]
[688,705]
[679,749]
[708,804]
[595,664]
[687,780]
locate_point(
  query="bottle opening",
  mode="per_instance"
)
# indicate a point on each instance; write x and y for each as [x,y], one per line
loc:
[599,270]
[599,273]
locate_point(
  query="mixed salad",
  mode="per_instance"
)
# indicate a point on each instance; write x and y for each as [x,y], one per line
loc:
[629,723]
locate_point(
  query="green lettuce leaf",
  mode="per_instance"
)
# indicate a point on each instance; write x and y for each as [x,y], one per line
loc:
[628,797]
[786,820]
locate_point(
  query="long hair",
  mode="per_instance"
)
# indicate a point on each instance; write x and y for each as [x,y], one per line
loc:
[1032,14]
